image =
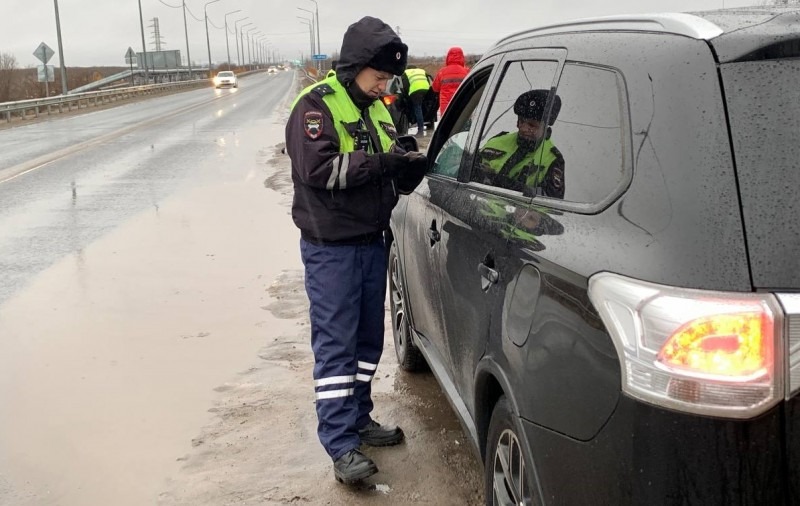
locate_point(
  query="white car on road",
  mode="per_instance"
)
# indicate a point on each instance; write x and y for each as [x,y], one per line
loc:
[226,78]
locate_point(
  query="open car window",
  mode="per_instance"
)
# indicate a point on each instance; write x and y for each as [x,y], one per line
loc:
[461,118]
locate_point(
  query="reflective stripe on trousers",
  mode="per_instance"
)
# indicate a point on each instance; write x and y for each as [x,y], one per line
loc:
[346,286]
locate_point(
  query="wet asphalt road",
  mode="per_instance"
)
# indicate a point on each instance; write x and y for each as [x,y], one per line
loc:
[153,321]
[68,181]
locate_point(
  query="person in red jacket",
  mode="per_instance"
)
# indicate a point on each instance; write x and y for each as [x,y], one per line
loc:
[449,77]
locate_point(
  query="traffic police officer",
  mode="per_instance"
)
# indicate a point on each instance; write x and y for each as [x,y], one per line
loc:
[416,86]
[347,173]
[527,160]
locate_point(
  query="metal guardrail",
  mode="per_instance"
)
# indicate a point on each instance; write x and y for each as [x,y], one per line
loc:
[37,106]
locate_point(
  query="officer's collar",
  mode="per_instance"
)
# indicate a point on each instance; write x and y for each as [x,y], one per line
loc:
[360,99]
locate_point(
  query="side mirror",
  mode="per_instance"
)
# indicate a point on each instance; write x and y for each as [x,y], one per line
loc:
[408,142]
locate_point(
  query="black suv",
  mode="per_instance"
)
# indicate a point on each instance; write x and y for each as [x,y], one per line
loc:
[636,339]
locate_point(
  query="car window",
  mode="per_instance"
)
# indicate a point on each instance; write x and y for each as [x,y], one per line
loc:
[589,132]
[225,74]
[514,150]
[448,159]
[763,99]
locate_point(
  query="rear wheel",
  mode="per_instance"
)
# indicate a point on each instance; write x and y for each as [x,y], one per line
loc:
[408,355]
[507,478]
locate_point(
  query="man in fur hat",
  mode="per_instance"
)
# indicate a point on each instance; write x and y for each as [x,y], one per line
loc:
[348,174]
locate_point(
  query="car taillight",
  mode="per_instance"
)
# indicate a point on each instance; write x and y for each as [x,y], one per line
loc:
[389,99]
[736,346]
[712,353]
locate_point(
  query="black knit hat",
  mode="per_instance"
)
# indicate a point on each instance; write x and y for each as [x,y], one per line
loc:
[390,58]
[530,105]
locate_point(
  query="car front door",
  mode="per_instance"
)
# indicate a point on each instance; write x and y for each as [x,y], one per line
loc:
[484,223]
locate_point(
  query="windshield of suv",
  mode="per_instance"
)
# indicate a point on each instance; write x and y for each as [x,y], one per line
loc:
[763,100]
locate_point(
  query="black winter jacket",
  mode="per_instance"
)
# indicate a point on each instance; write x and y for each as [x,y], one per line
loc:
[339,198]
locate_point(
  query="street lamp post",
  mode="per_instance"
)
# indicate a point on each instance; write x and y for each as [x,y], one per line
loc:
[241,38]
[313,24]
[249,56]
[208,41]
[60,52]
[144,46]
[316,9]
[256,39]
[310,31]
[262,49]
[227,44]
[236,35]
[186,34]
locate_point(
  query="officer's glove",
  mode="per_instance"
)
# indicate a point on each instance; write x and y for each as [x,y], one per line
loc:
[409,177]
[392,163]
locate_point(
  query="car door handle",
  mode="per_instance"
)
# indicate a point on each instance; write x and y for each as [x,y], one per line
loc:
[489,276]
[433,233]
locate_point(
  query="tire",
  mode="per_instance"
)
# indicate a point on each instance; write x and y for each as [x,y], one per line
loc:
[408,355]
[507,479]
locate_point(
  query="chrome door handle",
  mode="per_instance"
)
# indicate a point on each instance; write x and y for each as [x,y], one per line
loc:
[489,276]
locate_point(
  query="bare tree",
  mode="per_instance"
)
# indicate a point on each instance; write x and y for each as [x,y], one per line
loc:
[7,65]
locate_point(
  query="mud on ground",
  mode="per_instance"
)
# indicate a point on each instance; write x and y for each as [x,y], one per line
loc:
[262,447]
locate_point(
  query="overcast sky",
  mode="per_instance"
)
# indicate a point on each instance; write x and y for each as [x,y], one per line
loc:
[99,32]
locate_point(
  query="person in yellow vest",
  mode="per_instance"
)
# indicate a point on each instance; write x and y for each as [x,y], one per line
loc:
[348,173]
[415,87]
[526,160]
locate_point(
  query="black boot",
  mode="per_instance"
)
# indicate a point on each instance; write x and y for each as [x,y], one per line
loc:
[353,466]
[375,434]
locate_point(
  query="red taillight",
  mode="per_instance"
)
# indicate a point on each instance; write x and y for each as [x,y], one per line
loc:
[389,99]
[729,345]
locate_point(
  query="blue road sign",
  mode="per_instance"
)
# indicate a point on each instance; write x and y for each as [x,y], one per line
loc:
[319,57]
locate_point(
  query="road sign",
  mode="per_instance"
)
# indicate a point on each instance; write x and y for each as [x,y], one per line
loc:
[319,57]
[130,56]
[43,53]
[46,73]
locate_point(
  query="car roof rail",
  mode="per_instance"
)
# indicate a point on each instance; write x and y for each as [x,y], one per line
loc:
[677,23]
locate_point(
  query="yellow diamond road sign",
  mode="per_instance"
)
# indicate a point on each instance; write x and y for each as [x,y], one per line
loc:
[43,53]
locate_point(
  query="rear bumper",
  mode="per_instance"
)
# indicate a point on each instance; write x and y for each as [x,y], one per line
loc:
[646,455]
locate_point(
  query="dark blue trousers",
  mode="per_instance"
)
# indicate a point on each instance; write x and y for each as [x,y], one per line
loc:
[346,286]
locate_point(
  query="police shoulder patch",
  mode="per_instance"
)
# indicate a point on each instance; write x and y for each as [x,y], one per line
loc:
[323,89]
[491,153]
[390,130]
[312,124]
[557,177]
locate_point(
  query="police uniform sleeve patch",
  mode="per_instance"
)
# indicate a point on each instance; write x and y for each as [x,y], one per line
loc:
[390,130]
[491,153]
[312,124]
[557,177]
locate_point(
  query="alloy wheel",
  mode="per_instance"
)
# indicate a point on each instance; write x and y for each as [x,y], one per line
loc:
[509,482]
[398,304]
